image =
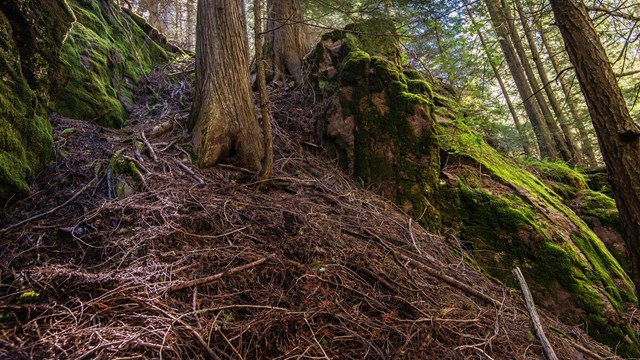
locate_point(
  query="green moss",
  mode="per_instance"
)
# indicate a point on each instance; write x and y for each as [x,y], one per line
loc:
[28,63]
[601,206]
[565,180]
[420,87]
[104,56]
[29,297]
[413,74]
[355,67]
[378,36]
[532,228]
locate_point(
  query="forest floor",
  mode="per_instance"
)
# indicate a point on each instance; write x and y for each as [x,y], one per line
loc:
[189,263]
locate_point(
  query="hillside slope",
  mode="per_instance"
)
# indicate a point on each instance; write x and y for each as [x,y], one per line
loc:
[402,134]
[315,266]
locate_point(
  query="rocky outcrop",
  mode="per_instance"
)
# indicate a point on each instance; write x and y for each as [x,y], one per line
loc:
[404,136]
[105,56]
[31,35]
[78,58]
[380,124]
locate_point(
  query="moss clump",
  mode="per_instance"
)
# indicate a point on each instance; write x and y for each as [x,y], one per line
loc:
[601,206]
[105,56]
[355,67]
[29,297]
[420,87]
[565,180]
[377,36]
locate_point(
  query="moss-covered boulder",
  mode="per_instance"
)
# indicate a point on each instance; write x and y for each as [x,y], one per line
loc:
[380,124]
[407,138]
[31,35]
[509,217]
[105,56]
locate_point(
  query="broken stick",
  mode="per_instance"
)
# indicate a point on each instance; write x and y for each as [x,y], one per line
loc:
[152,153]
[533,313]
[189,171]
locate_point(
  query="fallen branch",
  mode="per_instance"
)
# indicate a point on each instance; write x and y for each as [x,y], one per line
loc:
[236,168]
[189,171]
[213,278]
[50,211]
[533,313]
[152,153]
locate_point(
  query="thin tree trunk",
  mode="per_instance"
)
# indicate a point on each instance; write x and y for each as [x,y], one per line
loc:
[526,144]
[560,143]
[267,162]
[618,134]
[223,116]
[585,142]
[540,129]
[190,24]
[576,154]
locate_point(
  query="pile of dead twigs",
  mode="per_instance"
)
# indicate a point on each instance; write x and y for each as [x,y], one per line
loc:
[192,263]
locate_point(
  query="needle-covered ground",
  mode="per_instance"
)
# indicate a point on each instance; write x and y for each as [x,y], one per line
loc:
[126,250]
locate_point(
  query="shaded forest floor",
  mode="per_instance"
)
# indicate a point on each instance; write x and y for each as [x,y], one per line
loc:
[314,267]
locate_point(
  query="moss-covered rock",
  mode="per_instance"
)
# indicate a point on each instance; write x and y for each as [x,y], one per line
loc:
[380,125]
[31,35]
[513,218]
[85,69]
[105,56]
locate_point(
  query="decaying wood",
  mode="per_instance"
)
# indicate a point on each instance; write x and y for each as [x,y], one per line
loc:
[161,128]
[533,313]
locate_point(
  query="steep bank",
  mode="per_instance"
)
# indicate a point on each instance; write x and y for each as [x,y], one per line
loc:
[402,135]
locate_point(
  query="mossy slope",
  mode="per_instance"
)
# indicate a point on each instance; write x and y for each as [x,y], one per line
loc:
[104,57]
[512,218]
[396,133]
[31,35]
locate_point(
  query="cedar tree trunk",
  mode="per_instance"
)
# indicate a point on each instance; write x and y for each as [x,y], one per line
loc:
[286,41]
[223,117]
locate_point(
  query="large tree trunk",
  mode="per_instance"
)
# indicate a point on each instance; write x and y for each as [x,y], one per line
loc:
[526,144]
[552,125]
[223,116]
[286,42]
[540,129]
[578,120]
[618,134]
[576,154]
